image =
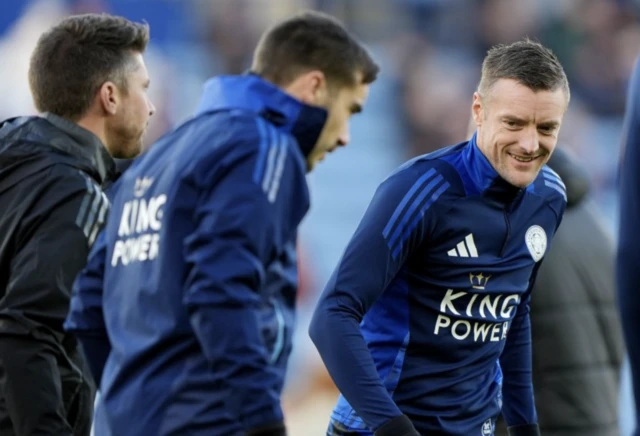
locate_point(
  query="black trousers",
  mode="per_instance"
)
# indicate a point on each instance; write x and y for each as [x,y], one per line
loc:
[45,387]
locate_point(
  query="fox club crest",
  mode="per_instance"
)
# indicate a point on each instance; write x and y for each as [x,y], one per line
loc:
[536,240]
[487,428]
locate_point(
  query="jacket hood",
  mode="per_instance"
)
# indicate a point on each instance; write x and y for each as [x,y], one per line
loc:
[251,92]
[37,143]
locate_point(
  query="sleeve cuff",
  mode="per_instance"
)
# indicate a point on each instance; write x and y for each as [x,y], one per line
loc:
[524,430]
[398,426]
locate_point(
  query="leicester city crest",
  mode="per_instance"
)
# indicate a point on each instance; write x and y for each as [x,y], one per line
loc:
[536,240]
[487,428]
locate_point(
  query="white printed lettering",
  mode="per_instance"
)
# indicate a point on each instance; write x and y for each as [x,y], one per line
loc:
[447,301]
[491,305]
[138,218]
[467,329]
[481,329]
[495,333]
[504,313]
[442,321]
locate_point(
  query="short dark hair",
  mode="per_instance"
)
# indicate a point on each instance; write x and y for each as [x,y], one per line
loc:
[528,62]
[75,57]
[308,41]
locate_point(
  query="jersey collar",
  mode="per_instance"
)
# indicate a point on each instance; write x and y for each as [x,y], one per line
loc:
[85,145]
[485,178]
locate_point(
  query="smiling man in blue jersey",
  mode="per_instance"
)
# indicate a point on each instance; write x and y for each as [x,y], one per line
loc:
[424,324]
[189,293]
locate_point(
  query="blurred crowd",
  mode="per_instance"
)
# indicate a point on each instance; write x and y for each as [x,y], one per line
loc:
[430,53]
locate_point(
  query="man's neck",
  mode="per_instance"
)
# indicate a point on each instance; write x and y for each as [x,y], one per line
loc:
[94,126]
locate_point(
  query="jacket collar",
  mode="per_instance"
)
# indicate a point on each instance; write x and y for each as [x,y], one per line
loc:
[85,145]
[251,92]
[484,177]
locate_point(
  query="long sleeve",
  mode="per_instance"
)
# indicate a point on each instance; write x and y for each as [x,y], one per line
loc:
[518,402]
[54,246]
[55,239]
[395,223]
[241,222]
[86,318]
[519,407]
[628,256]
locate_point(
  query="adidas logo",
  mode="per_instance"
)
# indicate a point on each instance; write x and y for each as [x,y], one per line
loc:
[466,248]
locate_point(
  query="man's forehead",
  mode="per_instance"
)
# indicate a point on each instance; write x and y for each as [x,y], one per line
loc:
[139,69]
[530,104]
[137,62]
[509,89]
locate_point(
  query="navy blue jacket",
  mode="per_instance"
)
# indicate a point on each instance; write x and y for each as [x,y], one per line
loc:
[628,256]
[427,311]
[193,281]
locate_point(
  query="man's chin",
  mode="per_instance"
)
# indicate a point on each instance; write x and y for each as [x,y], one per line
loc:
[313,161]
[130,152]
[522,180]
[310,165]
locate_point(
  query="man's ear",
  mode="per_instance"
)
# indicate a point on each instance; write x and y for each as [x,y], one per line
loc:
[477,110]
[109,97]
[309,87]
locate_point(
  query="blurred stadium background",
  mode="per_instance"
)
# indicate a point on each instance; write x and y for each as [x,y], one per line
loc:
[430,53]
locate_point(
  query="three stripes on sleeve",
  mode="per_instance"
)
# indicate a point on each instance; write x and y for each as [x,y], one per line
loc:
[422,195]
[93,211]
[271,159]
[410,212]
[553,181]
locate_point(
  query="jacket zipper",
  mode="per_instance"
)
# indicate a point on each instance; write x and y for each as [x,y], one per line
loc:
[507,220]
[508,224]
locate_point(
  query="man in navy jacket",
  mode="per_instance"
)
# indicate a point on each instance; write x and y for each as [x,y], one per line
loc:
[190,291]
[424,325]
